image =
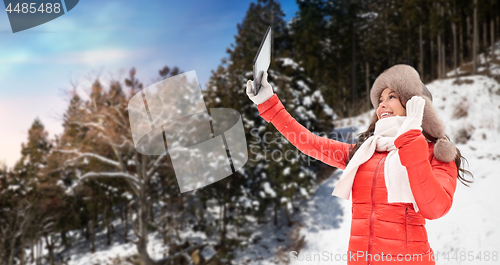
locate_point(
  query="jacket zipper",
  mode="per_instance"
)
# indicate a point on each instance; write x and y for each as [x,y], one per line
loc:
[372,215]
[406,229]
[407,218]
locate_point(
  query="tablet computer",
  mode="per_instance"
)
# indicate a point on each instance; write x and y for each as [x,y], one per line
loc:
[262,60]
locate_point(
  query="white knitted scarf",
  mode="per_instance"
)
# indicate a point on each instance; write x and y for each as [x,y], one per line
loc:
[395,174]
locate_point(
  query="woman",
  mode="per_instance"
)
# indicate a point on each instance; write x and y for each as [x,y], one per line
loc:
[402,170]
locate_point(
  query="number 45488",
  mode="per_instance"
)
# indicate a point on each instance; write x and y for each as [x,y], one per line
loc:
[32,8]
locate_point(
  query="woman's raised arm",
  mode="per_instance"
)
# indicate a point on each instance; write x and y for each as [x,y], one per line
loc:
[329,151]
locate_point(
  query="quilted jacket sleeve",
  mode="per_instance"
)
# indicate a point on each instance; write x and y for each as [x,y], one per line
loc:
[329,151]
[432,182]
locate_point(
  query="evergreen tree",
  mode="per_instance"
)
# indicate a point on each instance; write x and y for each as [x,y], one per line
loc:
[42,204]
[33,153]
[311,42]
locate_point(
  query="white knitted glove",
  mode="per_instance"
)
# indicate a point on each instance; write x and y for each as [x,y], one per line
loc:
[414,115]
[265,92]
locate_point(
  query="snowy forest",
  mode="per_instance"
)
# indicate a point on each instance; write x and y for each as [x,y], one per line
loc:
[89,188]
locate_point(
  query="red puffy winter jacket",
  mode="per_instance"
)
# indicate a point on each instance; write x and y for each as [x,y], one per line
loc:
[381,232]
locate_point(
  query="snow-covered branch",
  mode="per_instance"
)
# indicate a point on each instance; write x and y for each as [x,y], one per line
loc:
[93,155]
[132,183]
[88,124]
[156,164]
[110,142]
[119,112]
[111,175]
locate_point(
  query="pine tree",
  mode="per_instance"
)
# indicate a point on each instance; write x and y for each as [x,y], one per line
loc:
[33,153]
[310,40]
[43,203]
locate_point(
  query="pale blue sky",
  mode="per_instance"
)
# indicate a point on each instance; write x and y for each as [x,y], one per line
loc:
[106,38]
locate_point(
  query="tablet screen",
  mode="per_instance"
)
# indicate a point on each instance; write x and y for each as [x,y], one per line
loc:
[262,60]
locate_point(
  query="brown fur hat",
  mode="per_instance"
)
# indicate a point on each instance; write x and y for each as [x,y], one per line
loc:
[405,81]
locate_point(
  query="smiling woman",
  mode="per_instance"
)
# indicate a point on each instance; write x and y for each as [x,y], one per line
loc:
[390,105]
[402,170]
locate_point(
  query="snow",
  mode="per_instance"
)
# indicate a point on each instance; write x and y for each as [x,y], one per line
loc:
[13,187]
[303,192]
[105,254]
[326,223]
[269,190]
[246,202]
[479,101]
[127,195]
[288,62]
[304,113]
[371,15]
[208,253]
[329,111]
[303,85]
[60,183]
[307,101]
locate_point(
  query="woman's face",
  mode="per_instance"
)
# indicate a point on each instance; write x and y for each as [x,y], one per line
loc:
[389,105]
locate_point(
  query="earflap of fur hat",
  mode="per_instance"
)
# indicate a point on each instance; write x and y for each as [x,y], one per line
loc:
[431,123]
[445,150]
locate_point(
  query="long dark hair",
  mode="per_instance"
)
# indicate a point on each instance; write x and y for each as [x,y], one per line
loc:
[459,159]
